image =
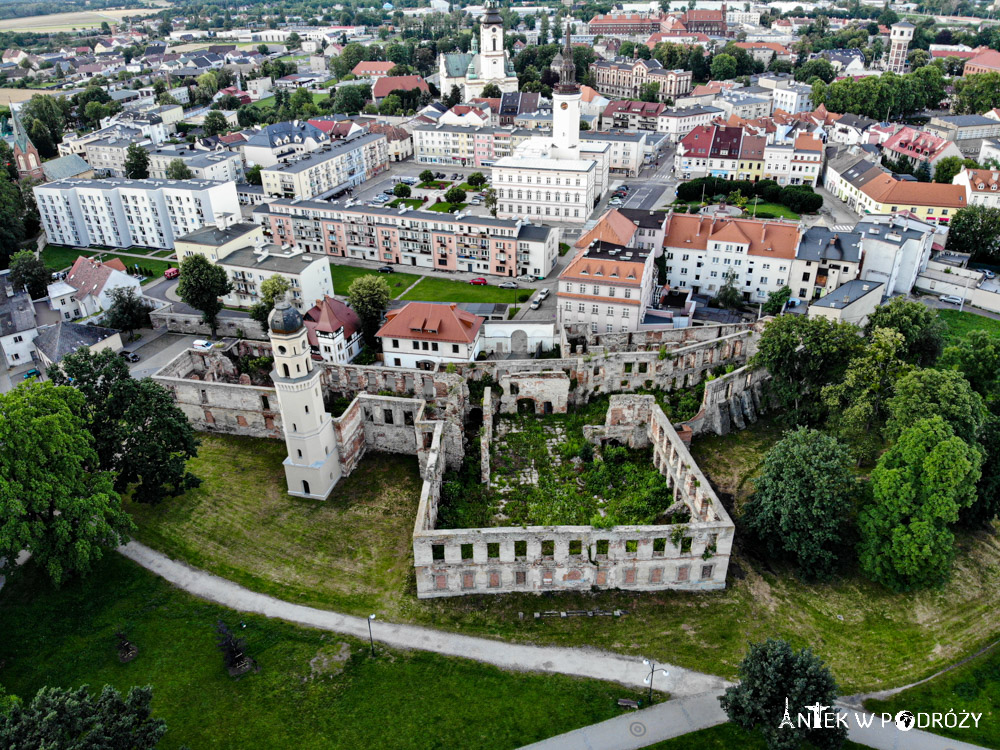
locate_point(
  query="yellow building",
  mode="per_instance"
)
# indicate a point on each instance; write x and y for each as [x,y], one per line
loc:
[215,242]
[934,202]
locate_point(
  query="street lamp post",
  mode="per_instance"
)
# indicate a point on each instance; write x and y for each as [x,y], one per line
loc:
[649,678]
[370,638]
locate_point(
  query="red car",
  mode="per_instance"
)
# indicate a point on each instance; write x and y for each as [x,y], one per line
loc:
[478,282]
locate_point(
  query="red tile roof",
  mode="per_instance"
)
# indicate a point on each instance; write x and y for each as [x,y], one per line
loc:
[432,322]
[385,86]
[377,67]
[612,227]
[329,316]
[89,276]
[773,239]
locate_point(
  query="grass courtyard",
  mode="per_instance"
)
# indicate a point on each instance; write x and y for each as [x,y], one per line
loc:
[343,276]
[58,258]
[960,323]
[446,208]
[436,289]
[314,690]
[353,554]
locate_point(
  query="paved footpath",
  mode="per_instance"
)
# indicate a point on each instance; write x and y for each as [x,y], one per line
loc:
[694,703]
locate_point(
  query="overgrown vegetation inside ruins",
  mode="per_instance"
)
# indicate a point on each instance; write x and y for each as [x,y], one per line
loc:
[544,472]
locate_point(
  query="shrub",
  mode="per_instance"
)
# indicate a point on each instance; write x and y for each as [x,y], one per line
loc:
[523,296]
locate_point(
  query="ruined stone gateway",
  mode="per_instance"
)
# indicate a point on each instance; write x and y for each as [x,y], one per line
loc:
[416,412]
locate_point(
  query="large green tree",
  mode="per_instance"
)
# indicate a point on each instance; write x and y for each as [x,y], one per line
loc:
[803,501]
[804,354]
[139,433]
[859,402]
[127,311]
[369,296]
[773,676]
[946,168]
[136,162]
[54,500]
[977,356]
[724,67]
[271,290]
[12,211]
[215,123]
[918,488]
[976,230]
[920,326]
[178,170]
[28,271]
[202,285]
[922,394]
[75,720]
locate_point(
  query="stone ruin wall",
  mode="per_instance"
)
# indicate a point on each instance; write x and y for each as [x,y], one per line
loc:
[732,402]
[455,562]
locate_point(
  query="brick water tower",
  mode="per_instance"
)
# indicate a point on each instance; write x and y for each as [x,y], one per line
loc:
[900,37]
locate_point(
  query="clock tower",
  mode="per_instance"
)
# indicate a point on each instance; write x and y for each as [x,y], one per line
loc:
[492,56]
[566,106]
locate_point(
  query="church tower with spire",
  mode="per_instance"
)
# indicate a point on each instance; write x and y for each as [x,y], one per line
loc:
[566,98]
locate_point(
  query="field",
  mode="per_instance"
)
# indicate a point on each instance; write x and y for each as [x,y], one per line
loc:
[314,690]
[344,275]
[447,208]
[87,19]
[724,737]
[7,96]
[960,323]
[353,554]
[975,687]
[58,258]
[775,209]
[269,101]
[435,289]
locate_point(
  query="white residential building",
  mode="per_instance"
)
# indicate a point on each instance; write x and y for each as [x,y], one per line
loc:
[982,186]
[307,275]
[793,98]
[122,213]
[332,169]
[220,166]
[18,329]
[424,335]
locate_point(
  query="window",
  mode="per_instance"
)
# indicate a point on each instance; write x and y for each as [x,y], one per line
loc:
[520,549]
[520,577]
[602,547]
[493,550]
[706,571]
[454,348]
[468,580]
[395,343]
[548,548]
[632,546]
[416,345]
[466,551]
[683,572]
[437,551]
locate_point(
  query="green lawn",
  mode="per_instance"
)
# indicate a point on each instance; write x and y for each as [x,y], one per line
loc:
[156,266]
[724,737]
[435,289]
[444,207]
[470,189]
[975,687]
[163,253]
[960,323]
[314,690]
[775,209]
[563,248]
[344,275]
[353,554]
[434,185]
[411,202]
[58,258]
[269,101]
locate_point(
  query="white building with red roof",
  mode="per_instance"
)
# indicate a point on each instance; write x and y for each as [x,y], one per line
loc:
[919,146]
[333,331]
[424,335]
[88,286]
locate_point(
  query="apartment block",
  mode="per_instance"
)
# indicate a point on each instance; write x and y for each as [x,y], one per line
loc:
[332,169]
[122,213]
[418,239]
[463,145]
[220,166]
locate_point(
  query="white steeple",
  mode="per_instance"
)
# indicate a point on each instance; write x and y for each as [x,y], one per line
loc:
[492,56]
[566,106]
[313,464]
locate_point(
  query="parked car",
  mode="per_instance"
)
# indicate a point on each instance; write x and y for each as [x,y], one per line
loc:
[616,202]
[455,176]
[508,285]
[623,187]
[476,202]
[951,299]
[544,294]
[792,303]
[171,273]
[386,269]
[32,373]
[202,345]
[408,180]
[129,356]
[989,274]
[535,303]
[439,176]
[478,281]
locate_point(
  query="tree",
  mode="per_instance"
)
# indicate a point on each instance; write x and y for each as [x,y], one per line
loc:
[803,354]
[140,435]
[136,162]
[729,296]
[178,170]
[490,201]
[253,175]
[58,506]
[650,92]
[772,673]
[491,91]
[977,357]
[401,190]
[723,67]
[922,394]
[94,112]
[426,176]
[921,328]
[127,311]
[858,403]
[12,212]
[215,123]
[201,286]
[986,507]
[454,97]
[73,718]
[476,179]
[271,290]
[776,301]
[233,649]
[351,98]
[455,195]
[818,68]
[262,48]
[946,168]
[918,488]
[29,272]
[801,500]
[391,105]
[7,160]
[976,230]
[369,296]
